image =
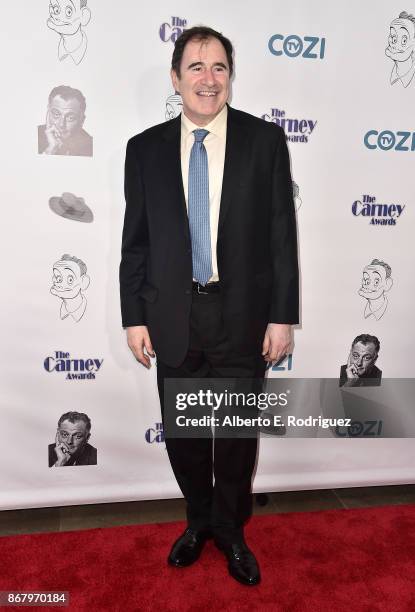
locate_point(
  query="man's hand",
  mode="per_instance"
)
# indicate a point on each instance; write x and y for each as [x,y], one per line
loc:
[277,341]
[62,452]
[351,371]
[53,137]
[138,338]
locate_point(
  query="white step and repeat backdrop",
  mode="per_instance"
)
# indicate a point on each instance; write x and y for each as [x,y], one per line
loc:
[339,77]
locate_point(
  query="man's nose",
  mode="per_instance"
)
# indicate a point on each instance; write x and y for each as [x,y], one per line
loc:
[209,77]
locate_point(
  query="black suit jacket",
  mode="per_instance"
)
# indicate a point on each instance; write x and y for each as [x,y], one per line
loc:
[256,245]
[88,456]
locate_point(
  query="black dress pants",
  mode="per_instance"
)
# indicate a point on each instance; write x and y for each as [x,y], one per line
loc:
[225,504]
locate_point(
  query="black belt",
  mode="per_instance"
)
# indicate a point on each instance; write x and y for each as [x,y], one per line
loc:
[205,289]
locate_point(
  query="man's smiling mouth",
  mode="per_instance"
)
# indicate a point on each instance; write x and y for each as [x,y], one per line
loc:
[207,94]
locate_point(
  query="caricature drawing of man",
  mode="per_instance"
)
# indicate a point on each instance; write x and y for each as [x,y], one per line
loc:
[401,48]
[67,18]
[296,195]
[174,106]
[376,281]
[70,280]
[63,132]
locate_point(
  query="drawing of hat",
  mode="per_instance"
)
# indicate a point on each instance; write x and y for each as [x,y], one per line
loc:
[71,207]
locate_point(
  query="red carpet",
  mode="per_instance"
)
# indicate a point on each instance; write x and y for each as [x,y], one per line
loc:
[356,560]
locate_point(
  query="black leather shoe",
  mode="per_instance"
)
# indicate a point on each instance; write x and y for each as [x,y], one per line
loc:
[242,564]
[186,549]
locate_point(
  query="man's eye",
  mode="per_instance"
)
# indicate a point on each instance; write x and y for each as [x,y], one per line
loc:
[394,39]
[69,11]
[55,9]
[404,40]
[56,114]
[71,118]
[70,280]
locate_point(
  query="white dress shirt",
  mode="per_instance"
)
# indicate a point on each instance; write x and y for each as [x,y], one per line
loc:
[215,144]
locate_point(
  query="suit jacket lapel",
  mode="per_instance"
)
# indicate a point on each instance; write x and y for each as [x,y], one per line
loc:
[232,172]
[171,170]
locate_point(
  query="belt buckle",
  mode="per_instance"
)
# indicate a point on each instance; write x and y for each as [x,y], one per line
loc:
[201,292]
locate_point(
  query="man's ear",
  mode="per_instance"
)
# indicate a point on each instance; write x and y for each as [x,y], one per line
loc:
[85,280]
[87,437]
[388,283]
[175,81]
[85,16]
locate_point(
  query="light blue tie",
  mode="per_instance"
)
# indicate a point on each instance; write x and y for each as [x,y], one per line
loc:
[198,209]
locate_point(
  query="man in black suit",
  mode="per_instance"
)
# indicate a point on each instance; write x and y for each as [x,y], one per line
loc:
[209,274]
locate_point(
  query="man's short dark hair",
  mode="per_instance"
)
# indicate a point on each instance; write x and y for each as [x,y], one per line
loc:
[405,15]
[367,339]
[378,262]
[68,93]
[73,417]
[199,33]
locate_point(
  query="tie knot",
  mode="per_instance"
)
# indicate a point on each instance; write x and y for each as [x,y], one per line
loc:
[200,135]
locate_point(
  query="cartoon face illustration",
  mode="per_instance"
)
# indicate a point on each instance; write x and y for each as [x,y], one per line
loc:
[376,281]
[362,357]
[69,281]
[174,106]
[66,17]
[401,48]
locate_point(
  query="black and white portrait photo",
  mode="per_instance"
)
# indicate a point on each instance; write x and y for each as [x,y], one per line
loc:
[63,132]
[360,370]
[71,446]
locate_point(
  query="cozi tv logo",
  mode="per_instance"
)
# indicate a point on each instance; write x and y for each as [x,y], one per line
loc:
[360,429]
[284,364]
[171,31]
[378,214]
[155,434]
[75,369]
[296,130]
[309,47]
[387,140]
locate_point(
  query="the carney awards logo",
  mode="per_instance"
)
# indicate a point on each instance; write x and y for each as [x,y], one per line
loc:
[155,434]
[377,213]
[75,369]
[296,130]
[170,32]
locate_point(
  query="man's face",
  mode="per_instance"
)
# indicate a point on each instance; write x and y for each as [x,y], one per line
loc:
[66,16]
[204,81]
[67,280]
[401,40]
[66,116]
[363,357]
[374,282]
[73,435]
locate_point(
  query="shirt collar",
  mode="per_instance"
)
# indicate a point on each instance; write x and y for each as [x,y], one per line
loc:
[217,126]
[76,55]
[405,78]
